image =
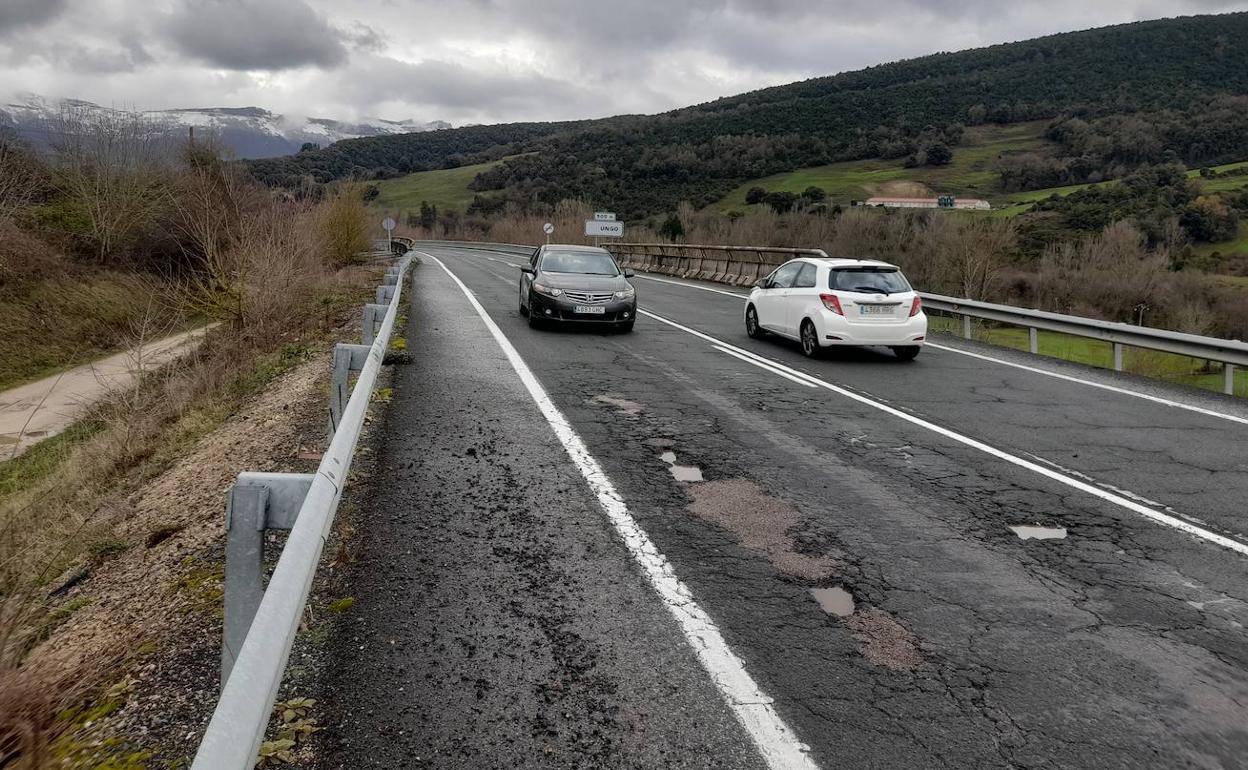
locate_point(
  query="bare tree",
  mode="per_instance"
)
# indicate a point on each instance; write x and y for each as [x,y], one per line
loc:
[110,165]
[20,179]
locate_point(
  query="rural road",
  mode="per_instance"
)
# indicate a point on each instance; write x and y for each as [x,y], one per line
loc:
[32,412]
[682,547]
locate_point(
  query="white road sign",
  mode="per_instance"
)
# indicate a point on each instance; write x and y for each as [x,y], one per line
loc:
[604,229]
[604,216]
[387,224]
[548,228]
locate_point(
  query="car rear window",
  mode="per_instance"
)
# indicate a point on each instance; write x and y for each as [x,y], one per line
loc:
[591,262]
[876,280]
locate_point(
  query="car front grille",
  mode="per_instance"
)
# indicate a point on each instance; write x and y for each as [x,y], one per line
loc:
[589,297]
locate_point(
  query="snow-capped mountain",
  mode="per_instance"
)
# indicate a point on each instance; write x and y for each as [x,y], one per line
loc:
[251,132]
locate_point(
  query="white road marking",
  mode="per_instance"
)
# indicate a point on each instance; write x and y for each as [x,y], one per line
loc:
[779,746]
[1024,367]
[768,367]
[1101,385]
[1083,486]
[693,286]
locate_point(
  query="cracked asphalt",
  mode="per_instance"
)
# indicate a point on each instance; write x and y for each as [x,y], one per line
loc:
[500,621]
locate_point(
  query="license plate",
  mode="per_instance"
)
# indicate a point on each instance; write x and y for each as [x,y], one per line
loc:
[875,310]
[591,309]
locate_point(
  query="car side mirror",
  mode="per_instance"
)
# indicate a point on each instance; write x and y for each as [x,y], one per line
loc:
[762,284]
[528,269]
[628,273]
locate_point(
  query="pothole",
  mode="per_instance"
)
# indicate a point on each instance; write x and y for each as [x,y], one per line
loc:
[834,600]
[759,522]
[621,405]
[686,473]
[1037,532]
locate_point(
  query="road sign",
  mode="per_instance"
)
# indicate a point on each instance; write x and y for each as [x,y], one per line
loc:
[604,216]
[388,224]
[548,228]
[604,229]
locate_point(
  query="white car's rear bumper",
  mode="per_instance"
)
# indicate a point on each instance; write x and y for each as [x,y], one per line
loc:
[837,330]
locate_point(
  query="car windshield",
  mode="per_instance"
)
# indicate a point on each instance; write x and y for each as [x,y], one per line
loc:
[871,280]
[589,262]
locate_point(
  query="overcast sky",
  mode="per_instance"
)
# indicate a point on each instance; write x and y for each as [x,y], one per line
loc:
[478,61]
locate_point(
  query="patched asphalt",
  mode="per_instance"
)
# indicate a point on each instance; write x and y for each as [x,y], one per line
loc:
[499,622]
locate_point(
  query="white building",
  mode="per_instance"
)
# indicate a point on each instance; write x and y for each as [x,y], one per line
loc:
[974,204]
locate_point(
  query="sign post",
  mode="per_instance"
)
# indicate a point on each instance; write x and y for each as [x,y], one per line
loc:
[548,228]
[388,223]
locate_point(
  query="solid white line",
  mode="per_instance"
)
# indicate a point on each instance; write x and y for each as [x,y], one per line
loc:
[1101,385]
[777,743]
[1131,505]
[692,286]
[762,365]
[1024,367]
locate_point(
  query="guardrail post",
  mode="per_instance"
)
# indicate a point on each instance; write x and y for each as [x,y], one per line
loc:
[1117,356]
[347,359]
[966,326]
[1033,340]
[373,316]
[256,502]
[1228,379]
[385,294]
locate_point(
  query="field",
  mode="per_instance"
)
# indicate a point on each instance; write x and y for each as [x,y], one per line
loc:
[972,172]
[1150,363]
[445,188]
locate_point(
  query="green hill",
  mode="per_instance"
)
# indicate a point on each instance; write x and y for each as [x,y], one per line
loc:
[1175,73]
[445,188]
[973,171]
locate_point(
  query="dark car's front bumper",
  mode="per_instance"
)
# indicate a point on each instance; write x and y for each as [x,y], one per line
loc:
[560,309]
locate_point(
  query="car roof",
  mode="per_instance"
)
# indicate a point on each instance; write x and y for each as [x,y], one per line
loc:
[571,247]
[835,262]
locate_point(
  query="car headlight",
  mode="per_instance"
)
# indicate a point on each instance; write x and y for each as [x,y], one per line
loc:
[547,290]
[628,293]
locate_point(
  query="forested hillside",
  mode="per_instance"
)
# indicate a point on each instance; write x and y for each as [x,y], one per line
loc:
[1119,98]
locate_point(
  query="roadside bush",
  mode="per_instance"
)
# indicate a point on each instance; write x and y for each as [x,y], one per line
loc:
[344,226]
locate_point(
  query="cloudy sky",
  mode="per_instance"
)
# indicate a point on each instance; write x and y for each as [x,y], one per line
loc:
[492,60]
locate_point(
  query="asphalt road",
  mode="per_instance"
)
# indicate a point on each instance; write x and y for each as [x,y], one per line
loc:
[849,547]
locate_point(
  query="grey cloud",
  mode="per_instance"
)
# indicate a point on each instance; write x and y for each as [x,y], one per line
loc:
[22,14]
[459,89]
[255,34]
[364,38]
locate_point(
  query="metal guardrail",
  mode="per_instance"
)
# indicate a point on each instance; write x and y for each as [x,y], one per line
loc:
[260,624]
[743,265]
[1230,353]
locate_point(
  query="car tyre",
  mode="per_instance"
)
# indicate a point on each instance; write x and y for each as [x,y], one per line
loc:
[626,327]
[535,322]
[523,310]
[751,323]
[810,339]
[906,352]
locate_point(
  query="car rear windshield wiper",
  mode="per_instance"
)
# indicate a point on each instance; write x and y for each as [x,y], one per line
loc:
[871,290]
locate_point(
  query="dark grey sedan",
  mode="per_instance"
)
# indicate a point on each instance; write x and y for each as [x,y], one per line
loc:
[577,284]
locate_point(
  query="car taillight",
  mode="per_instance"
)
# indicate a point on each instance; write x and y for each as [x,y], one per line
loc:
[831,302]
[916,306]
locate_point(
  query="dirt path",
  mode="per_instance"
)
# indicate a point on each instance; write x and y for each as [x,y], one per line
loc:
[37,410]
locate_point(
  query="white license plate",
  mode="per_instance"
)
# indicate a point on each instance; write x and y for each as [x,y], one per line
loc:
[591,309]
[875,310]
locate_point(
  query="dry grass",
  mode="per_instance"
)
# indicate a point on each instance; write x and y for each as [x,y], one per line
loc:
[270,269]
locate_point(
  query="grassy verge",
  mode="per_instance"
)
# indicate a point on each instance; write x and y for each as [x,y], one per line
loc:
[55,323]
[1181,370]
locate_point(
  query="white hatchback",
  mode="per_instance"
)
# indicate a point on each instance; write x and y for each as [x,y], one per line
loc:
[821,302]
